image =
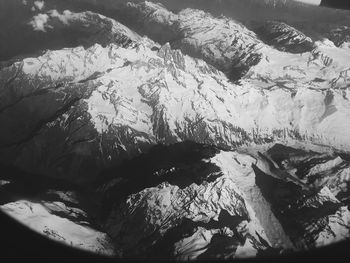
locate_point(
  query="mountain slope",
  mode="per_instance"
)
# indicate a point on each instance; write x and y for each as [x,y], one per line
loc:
[155,200]
[171,98]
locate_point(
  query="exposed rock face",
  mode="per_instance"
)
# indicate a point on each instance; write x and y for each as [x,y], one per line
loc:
[180,216]
[284,37]
[88,96]
[234,54]
[310,213]
[221,42]
[340,36]
[166,213]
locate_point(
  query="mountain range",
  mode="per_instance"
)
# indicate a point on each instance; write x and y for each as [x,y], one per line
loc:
[182,130]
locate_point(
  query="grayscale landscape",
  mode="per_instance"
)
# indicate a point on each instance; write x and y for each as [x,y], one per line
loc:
[182,130]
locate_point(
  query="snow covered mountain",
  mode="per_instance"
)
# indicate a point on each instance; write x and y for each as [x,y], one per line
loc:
[253,120]
[284,37]
[204,197]
[221,42]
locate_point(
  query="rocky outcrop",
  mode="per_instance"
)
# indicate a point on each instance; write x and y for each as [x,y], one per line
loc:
[180,208]
[88,96]
[340,35]
[284,37]
[310,213]
[162,205]
[221,42]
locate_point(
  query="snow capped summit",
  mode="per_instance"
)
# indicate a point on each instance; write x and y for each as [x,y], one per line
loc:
[183,217]
[141,95]
[222,42]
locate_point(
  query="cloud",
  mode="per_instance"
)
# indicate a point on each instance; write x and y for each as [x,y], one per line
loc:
[39,4]
[64,17]
[39,22]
